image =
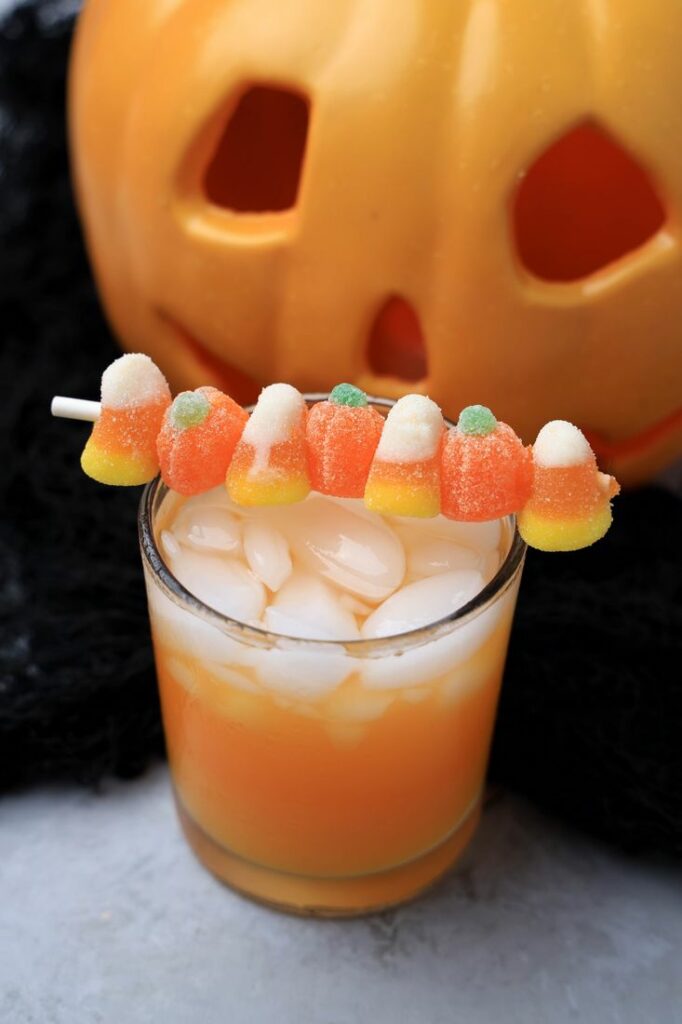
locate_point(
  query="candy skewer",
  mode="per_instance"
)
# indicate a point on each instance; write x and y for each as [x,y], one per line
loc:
[406,464]
[75,408]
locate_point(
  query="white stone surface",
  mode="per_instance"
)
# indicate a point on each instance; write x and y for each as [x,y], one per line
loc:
[105,916]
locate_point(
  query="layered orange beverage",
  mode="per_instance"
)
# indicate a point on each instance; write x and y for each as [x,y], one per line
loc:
[328,679]
[331,583]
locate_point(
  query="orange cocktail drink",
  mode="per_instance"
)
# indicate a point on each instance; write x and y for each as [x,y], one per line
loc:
[331,584]
[325,775]
[328,679]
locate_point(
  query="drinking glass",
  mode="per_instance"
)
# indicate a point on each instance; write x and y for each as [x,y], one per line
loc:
[326,777]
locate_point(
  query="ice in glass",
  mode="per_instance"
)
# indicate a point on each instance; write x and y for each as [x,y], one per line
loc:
[328,724]
[331,584]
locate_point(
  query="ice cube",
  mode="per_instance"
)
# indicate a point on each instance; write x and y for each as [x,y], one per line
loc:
[169,545]
[182,673]
[233,676]
[355,605]
[167,618]
[431,555]
[429,662]
[207,528]
[267,553]
[356,704]
[210,646]
[303,674]
[179,629]
[308,607]
[224,584]
[418,604]
[482,537]
[483,667]
[490,563]
[239,707]
[422,602]
[358,554]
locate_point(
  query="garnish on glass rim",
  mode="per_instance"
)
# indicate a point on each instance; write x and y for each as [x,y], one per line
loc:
[408,464]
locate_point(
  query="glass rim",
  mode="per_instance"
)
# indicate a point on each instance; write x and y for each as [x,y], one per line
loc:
[261,637]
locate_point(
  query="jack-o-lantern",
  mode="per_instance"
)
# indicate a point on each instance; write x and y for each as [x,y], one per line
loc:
[478,200]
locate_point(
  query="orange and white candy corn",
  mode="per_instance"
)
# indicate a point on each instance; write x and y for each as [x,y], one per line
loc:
[570,501]
[404,478]
[121,449]
[270,463]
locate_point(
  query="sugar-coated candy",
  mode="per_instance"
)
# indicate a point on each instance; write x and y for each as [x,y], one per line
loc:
[404,478]
[486,472]
[476,421]
[569,505]
[270,462]
[342,435]
[406,465]
[197,439]
[121,449]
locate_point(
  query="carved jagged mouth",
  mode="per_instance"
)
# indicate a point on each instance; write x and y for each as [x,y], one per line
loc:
[635,444]
[230,378]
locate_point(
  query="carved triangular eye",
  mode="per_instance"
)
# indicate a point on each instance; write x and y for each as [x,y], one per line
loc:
[396,344]
[257,164]
[584,203]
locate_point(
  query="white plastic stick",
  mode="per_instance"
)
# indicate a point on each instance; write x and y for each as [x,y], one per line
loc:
[75,408]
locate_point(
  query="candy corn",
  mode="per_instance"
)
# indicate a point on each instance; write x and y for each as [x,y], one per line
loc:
[569,506]
[404,478]
[121,449]
[270,463]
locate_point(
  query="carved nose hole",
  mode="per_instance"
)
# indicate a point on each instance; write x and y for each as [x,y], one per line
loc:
[584,203]
[396,346]
[257,164]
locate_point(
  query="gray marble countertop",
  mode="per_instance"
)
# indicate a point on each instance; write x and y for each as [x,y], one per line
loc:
[105,916]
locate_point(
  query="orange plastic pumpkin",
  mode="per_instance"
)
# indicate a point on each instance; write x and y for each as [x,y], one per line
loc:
[479,200]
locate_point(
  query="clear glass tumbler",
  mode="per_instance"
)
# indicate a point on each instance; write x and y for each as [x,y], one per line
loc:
[323,777]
